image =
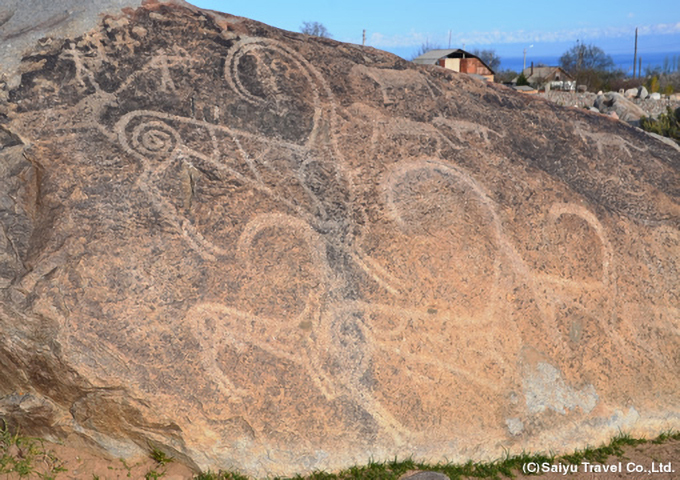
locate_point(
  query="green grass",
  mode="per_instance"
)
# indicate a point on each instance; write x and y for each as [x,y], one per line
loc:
[506,467]
[667,124]
[602,453]
[162,459]
[220,476]
[667,436]
[153,475]
[160,456]
[394,469]
[28,458]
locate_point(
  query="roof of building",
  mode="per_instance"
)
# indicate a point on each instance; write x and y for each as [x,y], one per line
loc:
[544,72]
[432,56]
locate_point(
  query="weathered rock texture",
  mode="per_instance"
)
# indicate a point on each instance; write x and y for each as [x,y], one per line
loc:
[612,102]
[260,250]
[23,23]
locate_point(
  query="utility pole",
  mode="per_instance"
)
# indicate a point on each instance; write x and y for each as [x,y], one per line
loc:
[524,66]
[449,38]
[363,40]
[635,55]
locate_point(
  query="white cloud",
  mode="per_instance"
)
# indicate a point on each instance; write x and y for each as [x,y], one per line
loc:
[408,40]
[416,39]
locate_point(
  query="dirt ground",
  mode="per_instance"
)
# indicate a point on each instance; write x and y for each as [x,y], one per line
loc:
[647,461]
[640,462]
[78,462]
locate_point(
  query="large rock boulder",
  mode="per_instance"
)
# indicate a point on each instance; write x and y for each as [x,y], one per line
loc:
[642,92]
[630,93]
[259,250]
[612,102]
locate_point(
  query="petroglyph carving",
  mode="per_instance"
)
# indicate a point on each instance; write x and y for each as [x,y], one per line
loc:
[388,334]
[606,141]
[155,138]
[606,257]
[218,327]
[432,204]
[293,304]
[376,339]
[205,148]
[575,266]
[466,131]
[391,136]
[163,63]
[393,84]
[400,172]
[82,72]
[590,268]
[218,152]
[264,63]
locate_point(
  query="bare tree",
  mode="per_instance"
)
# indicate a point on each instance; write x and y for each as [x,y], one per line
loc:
[424,48]
[582,57]
[506,76]
[316,29]
[588,64]
[490,57]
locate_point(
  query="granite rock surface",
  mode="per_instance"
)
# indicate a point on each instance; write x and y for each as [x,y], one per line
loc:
[259,250]
[615,103]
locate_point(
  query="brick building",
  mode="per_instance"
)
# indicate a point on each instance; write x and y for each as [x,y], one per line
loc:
[457,60]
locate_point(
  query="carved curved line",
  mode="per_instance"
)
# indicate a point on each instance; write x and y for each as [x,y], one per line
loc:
[606,140]
[464,127]
[261,222]
[197,241]
[215,162]
[380,413]
[316,81]
[364,398]
[211,344]
[400,170]
[249,44]
[140,131]
[439,362]
[566,289]
[382,276]
[559,209]
[299,175]
[408,127]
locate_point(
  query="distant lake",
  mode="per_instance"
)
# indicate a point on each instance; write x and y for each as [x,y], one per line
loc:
[622,61]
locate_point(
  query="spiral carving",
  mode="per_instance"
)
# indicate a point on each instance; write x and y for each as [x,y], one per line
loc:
[155,138]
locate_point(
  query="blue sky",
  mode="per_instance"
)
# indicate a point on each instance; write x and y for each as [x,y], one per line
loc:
[401,26]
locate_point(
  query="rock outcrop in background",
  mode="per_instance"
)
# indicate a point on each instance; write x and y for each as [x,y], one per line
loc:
[263,251]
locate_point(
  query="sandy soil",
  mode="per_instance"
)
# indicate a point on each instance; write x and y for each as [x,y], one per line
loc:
[83,463]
